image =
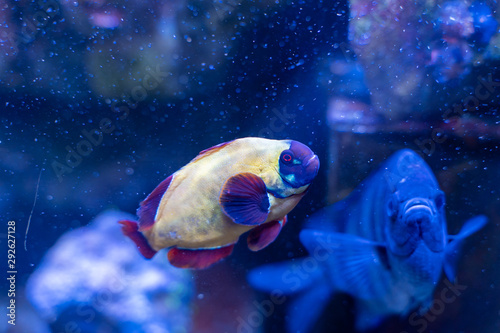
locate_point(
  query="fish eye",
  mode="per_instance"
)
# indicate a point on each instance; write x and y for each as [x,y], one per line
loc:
[287,157]
[392,207]
[439,200]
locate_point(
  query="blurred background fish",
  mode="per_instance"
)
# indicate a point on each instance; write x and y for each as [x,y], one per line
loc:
[385,244]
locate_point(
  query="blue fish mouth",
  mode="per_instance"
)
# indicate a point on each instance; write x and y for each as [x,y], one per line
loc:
[418,207]
[419,210]
[422,219]
[417,215]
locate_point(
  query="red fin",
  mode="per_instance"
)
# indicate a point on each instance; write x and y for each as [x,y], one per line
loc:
[284,221]
[184,258]
[148,208]
[211,150]
[244,199]
[130,229]
[263,235]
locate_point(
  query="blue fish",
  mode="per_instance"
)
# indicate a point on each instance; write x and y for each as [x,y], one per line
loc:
[385,244]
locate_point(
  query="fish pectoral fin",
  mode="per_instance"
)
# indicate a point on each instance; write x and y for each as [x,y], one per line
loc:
[244,199]
[350,260]
[455,243]
[264,234]
[470,227]
[198,259]
[131,230]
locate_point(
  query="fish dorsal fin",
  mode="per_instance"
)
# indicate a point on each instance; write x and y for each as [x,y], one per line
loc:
[211,150]
[147,210]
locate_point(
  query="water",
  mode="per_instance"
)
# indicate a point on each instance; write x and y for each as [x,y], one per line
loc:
[107,99]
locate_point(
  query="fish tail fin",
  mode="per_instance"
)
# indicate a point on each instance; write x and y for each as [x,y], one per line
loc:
[307,308]
[456,242]
[131,230]
[288,277]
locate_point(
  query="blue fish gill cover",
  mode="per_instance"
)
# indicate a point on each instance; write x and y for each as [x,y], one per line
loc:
[385,245]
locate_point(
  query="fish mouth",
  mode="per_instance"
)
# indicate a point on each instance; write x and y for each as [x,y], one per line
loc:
[418,207]
[313,160]
[312,168]
[419,214]
[418,210]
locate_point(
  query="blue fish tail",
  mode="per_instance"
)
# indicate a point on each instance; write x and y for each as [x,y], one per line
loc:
[456,242]
[305,310]
[287,277]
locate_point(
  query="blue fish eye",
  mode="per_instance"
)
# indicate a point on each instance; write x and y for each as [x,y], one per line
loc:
[439,200]
[392,206]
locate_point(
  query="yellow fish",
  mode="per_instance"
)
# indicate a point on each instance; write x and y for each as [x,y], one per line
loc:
[200,211]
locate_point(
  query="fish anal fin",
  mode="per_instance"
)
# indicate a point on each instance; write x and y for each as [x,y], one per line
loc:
[147,210]
[186,258]
[131,230]
[264,234]
[244,199]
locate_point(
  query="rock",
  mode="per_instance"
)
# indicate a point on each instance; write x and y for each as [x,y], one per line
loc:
[94,279]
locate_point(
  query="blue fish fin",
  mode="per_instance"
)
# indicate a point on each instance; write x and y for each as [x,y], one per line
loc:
[366,318]
[351,260]
[454,247]
[149,207]
[264,234]
[244,199]
[288,277]
[305,310]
